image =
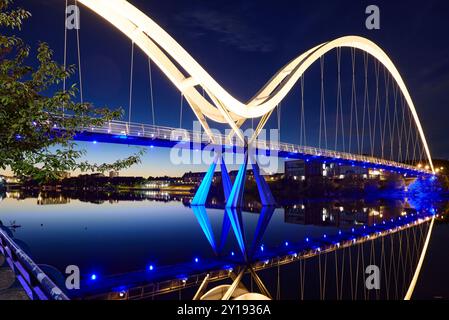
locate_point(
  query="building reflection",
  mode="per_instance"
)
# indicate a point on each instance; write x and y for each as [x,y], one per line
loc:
[344,214]
[61,198]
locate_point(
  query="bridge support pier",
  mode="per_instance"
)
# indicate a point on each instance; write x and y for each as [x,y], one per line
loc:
[266,197]
[236,198]
[233,193]
[201,194]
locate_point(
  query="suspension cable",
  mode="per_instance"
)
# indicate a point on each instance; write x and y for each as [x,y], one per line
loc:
[322,107]
[131,84]
[336,275]
[402,128]
[387,107]
[342,273]
[395,119]
[180,110]
[365,102]
[65,55]
[350,272]
[302,127]
[278,112]
[151,92]
[354,105]
[376,106]
[339,115]
[79,55]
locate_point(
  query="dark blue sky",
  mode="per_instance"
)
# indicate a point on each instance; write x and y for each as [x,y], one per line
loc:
[243,43]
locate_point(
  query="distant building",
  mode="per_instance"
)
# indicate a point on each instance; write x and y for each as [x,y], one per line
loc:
[295,170]
[114,174]
[157,184]
[301,169]
[343,171]
[197,177]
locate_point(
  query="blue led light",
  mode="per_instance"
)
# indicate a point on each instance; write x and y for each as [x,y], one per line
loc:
[232,253]
[197,260]
[286,243]
[93,277]
[325,236]
[151,267]
[339,232]
[307,239]
[94,142]
[261,248]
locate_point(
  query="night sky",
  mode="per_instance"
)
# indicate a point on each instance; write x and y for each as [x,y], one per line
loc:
[242,44]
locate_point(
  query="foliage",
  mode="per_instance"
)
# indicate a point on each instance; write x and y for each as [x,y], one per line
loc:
[29,144]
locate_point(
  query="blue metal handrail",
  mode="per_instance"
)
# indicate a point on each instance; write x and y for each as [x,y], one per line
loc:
[167,133]
[35,282]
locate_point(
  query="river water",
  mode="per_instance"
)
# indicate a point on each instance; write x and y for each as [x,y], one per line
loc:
[111,234]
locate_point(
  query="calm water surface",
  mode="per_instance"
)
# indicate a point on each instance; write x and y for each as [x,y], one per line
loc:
[107,236]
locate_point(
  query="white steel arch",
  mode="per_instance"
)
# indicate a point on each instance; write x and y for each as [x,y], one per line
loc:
[160,47]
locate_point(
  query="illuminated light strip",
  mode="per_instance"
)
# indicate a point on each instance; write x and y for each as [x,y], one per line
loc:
[127,18]
[411,289]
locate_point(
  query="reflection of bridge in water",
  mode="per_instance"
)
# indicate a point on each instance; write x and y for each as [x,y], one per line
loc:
[98,197]
[330,266]
[391,117]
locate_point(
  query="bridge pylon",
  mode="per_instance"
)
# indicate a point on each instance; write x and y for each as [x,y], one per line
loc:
[234,193]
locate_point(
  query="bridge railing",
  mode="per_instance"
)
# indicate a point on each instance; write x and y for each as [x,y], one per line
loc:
[35,282]
[174,134]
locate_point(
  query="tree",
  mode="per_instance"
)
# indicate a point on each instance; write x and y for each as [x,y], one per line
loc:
[30,143]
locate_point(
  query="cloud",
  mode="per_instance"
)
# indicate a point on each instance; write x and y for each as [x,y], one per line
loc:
[228,29]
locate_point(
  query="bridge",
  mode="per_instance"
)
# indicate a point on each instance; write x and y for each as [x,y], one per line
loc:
[381,131]
[402,144]
[211,102]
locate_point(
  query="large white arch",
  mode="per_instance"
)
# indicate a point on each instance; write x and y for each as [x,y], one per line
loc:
[161,48]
